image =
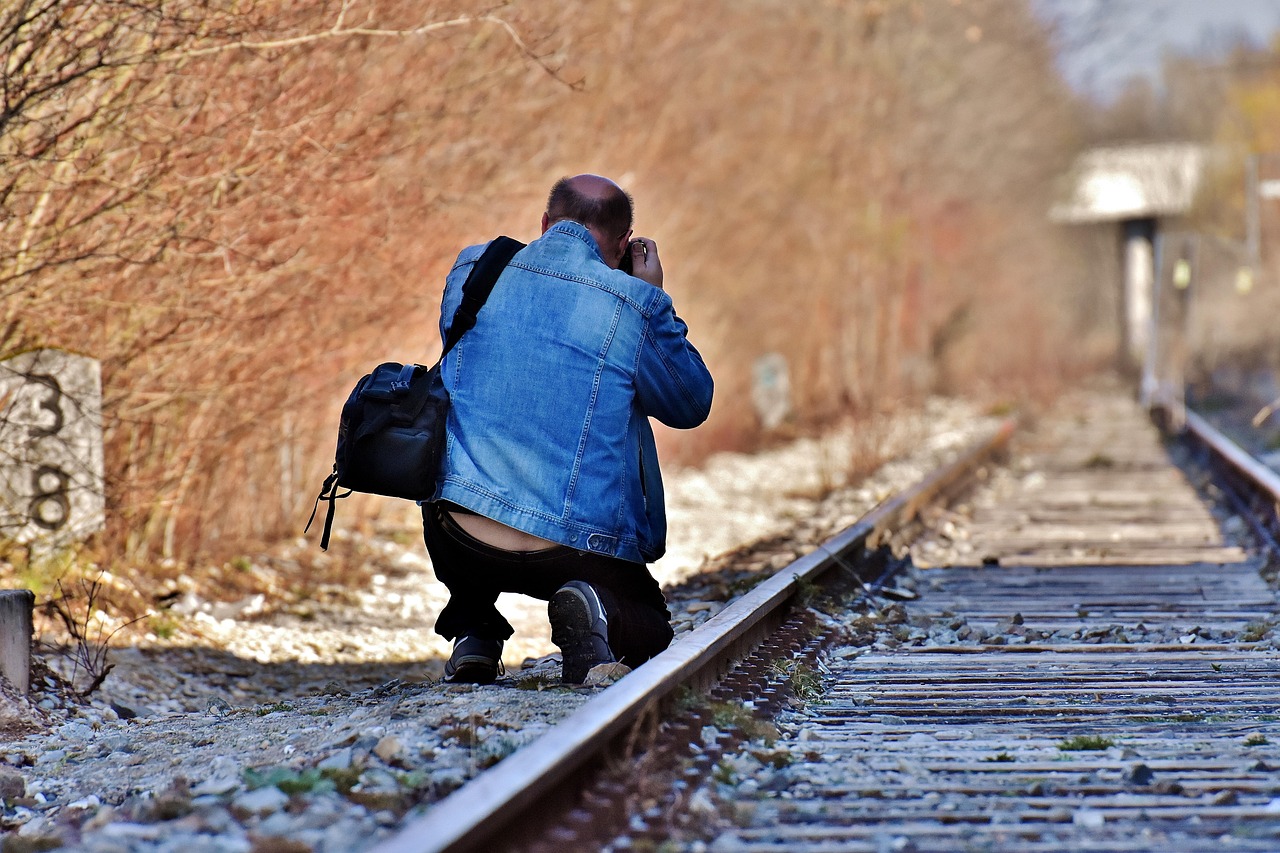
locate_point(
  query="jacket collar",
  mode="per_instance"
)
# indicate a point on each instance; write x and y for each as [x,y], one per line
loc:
[578,230]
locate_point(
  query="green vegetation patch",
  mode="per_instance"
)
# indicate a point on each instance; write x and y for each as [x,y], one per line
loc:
[291,782]
[735,715]
[1086,743]
[805,681]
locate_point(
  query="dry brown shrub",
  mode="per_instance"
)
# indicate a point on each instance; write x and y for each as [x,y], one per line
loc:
[255,205]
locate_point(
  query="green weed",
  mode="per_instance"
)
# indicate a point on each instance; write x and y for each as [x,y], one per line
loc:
[806,682]
[687,699]
[539,683]
[1099,461]
[735,715]
[1172,718]
[1255,631]
[1086,743]
[306,781]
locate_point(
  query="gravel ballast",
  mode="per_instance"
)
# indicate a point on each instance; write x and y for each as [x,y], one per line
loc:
[255,729]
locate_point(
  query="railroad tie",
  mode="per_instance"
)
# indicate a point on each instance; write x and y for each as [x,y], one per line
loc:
[1092,678]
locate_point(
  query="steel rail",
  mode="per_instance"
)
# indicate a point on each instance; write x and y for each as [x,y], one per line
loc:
[478,811]
[1261,481]
[1262,476]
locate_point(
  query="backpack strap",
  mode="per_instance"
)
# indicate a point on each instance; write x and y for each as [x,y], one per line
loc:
[479,284]
[328,492]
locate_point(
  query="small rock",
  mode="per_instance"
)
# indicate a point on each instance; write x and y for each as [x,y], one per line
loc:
[76,731]
[276,842]
[390,749]
[340,760]
[263,801]
[378,799]
[1091,818]
[89,803]
[1141,774]
[12,785]
[130,710]
[448,778]
[114,743]
[136,832]
[602,675]
[169,805]
[52,756]
[224,777]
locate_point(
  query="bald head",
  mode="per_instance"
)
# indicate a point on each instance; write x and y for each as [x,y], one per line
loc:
[596,202]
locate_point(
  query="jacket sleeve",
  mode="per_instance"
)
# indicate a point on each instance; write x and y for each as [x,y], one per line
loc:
[672,383]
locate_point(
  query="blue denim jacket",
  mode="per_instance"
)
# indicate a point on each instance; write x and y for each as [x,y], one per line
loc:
[551,395]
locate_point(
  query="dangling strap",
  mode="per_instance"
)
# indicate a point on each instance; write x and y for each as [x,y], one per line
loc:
[328,492]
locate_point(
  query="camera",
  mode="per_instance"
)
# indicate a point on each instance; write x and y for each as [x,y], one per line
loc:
[625,263]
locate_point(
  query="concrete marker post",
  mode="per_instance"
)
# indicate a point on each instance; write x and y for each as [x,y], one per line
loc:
[16,629]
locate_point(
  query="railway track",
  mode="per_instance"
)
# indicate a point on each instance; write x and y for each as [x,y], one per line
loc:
[1089,666]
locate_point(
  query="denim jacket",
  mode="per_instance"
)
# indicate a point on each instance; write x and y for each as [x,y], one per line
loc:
[551,394]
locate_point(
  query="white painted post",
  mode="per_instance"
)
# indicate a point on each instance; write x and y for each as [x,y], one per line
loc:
[771,390]
[1139,275]
[51,462]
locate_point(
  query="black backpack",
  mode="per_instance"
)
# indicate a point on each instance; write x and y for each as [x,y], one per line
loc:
[391,433]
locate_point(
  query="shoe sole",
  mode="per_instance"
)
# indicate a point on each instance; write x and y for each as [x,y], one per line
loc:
[570,618]
[472,670]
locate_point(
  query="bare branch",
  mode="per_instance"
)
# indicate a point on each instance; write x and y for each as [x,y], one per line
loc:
[339,31]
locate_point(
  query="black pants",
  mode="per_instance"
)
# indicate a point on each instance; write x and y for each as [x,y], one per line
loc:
[475,573]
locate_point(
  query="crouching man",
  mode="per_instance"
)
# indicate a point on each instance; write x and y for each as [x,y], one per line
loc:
[550,484]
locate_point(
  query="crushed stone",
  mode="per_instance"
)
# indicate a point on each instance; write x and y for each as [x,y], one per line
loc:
[327,725]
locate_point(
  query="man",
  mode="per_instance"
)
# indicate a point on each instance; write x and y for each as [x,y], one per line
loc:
[550,484]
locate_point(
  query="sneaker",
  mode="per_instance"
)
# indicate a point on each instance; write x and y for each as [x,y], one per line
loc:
[475,660]
[580,627]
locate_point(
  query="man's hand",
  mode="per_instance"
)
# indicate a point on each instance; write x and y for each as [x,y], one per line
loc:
[644,261]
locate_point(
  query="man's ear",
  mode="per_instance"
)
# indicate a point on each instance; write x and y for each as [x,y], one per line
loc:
[546,223]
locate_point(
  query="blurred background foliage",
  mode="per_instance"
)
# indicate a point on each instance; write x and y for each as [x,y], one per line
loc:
[240,206]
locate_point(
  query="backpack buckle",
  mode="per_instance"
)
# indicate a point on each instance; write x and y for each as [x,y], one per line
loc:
[400,385]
